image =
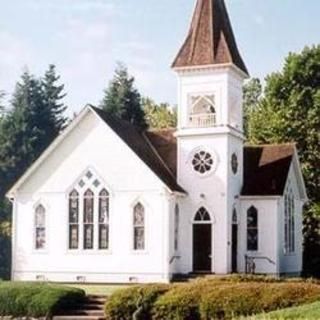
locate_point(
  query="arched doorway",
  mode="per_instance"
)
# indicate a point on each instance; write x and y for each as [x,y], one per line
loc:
[202,241]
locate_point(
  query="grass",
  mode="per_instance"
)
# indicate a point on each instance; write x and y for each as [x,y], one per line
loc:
[98,289]
[305,312]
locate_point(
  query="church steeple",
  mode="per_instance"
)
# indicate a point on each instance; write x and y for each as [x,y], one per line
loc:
[210,40]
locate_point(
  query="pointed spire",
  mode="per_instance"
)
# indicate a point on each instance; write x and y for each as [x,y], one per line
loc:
[210,39]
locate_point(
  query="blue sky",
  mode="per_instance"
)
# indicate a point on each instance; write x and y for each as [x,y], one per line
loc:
[85,38]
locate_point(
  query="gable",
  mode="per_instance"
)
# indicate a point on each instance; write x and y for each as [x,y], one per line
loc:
[266,169]
[88,141]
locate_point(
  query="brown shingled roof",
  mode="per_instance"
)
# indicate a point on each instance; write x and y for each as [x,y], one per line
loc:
[210,39]
[141,145]
[266,169]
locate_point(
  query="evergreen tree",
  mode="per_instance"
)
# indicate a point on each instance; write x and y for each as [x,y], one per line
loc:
[159,116]
[34,120]
[123,100]
[290,112]
[53,94]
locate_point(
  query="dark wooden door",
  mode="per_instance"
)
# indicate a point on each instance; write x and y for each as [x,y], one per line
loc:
[202,247]
[234,248]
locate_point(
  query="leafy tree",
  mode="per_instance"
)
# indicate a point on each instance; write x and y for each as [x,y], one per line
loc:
[252,92]
[160,116]
[289,112]
[123,100]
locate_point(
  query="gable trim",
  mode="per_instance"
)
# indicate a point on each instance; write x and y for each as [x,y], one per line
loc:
[300,180]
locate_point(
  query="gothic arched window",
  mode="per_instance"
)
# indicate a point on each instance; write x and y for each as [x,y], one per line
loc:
[104,219]
[289,222]
[74,219]
[252,229]
[88,221]
[202,215]
[138,227]
[176,227]
[40,227]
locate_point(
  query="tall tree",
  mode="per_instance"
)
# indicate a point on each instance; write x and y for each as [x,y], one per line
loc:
[289,112]
[123,100]
[34,120]
[53,94]
[252,92]
[159,116]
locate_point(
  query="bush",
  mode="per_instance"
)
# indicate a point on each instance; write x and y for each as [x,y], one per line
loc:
[180,303]
[207,299]
[35,299]
[251,298]
[133,303]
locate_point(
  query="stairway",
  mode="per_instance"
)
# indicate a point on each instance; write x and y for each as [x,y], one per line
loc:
[91,309]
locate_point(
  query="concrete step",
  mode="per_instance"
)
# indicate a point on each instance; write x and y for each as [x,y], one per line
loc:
[82,312]
[78,317]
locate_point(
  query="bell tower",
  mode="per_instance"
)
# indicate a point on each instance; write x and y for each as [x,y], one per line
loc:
[210,74]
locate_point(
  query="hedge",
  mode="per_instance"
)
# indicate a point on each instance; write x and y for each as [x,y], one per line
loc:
[208,299]
[133,303]
[36,300]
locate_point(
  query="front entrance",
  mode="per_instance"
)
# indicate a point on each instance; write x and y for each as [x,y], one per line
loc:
[202,247]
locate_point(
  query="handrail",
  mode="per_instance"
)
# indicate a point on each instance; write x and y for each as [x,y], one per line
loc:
[250,266]
[174,258]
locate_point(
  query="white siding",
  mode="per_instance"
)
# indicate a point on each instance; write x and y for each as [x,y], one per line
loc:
[92,144]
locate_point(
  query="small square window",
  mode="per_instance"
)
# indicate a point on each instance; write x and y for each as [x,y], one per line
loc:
[96,183]
[81,183]
[89,174]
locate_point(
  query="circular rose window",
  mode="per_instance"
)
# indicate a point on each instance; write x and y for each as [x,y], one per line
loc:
[202,162]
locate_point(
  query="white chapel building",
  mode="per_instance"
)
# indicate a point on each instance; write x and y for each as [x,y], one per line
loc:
[107,203]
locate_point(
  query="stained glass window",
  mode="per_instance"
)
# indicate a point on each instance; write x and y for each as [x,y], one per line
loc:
[139,227]
[176,227]
[88,222]
[289,222]
[104,219]
[252,229]
[74,220]
[40,227]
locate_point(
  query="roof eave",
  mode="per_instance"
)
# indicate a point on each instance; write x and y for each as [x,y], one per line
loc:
[240,72]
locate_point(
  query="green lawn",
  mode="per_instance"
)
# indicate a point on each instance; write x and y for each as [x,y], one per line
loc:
[306,312]
[97,288]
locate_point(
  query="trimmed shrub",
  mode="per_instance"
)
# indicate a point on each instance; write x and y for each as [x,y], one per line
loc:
[35,299]
[209,299]
[252,298]
[181,302]
[133,303]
